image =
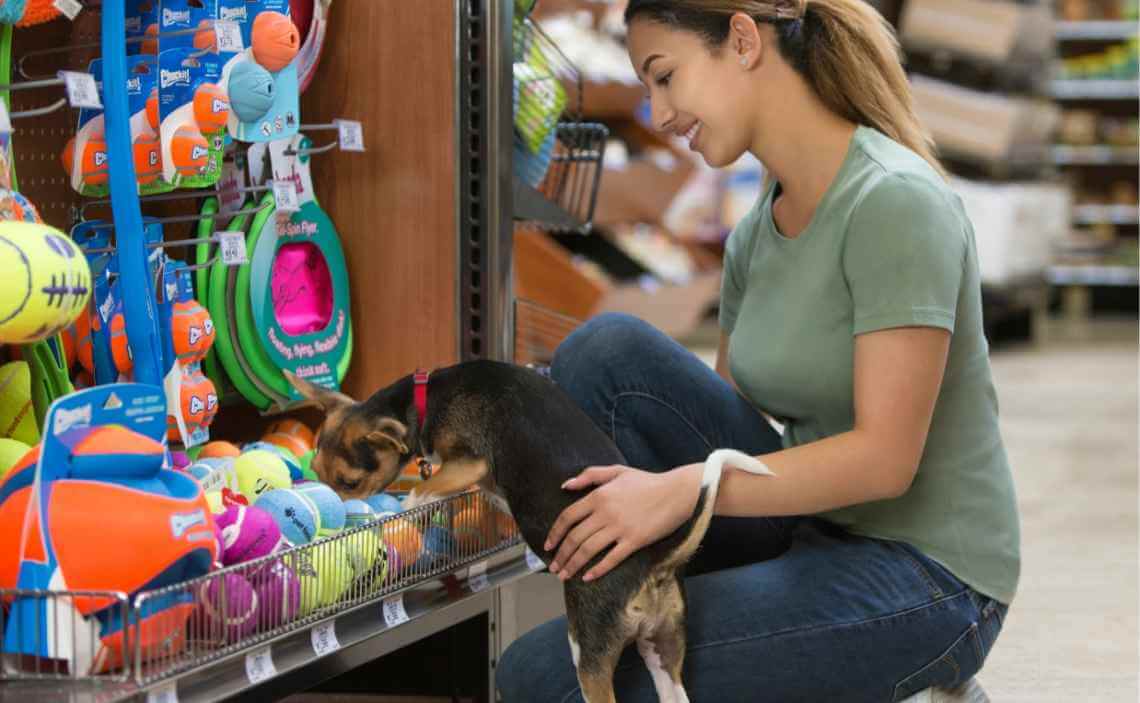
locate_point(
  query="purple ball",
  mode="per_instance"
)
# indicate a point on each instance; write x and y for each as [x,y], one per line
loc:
[179,460]
[248,533]
[278,595]
[227,608]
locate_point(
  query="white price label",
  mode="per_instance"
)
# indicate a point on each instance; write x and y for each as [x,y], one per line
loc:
[231,245]
[533,561]
[166,694]
[477,577]
[259,666]
[285,193]
[69,8]
[394,613]
[351,135]
[81,90]
[324,639]
[228,34]
[5,119]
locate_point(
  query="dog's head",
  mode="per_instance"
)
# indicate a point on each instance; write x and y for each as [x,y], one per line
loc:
[359,451]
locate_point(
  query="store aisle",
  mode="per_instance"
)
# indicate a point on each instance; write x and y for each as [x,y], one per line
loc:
[1069,418]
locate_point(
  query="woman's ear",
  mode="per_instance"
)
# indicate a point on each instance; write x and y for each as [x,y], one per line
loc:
[744,41]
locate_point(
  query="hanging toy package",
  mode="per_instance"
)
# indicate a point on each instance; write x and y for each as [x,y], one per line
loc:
[261,80]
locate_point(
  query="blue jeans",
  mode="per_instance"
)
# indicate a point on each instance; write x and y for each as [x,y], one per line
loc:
[789,609]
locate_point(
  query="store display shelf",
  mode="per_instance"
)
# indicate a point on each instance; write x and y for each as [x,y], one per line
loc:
[1106,214]
[564,198]
[1096,30]
[1096,155]
[533,206]
[1095,89]
[1091,275]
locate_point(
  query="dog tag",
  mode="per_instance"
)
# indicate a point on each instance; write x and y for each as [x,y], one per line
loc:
[166,694]
[69,8]
[259,666]
[285,193]
[477,577]
[324,639]
[81,90]
[533,561]
[351,135]
[228,34]
[231,245]
[394,613]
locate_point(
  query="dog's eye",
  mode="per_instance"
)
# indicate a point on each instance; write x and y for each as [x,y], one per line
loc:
[348,485]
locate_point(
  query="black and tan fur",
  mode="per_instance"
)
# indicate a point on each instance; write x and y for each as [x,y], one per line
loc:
[518,436]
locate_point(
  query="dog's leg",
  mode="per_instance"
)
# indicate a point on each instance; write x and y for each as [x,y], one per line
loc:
[595,647]
[661,679]
[668,641]
[453,477]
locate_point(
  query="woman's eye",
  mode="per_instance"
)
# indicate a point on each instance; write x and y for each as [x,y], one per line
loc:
[663,80]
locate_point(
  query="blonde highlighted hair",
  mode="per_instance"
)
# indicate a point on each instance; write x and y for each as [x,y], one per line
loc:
[845,50]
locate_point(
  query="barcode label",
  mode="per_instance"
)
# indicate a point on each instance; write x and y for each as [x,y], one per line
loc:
[166,694]
[533,561]
[477,577]
[285,193]
[259,666]
[324,639]
[231,246]
[69,8]
[81,90]
[351,135]
[228,34]
[394,613]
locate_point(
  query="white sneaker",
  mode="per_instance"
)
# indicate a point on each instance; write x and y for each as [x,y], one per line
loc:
[969,692]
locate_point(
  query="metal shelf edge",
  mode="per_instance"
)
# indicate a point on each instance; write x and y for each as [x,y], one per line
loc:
[1095,30]
[533,206]
[1095,89]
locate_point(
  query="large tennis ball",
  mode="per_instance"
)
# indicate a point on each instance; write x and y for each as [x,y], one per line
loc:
[328,504]
[404,538]
[152,109]
[251,91]
[94,168]
[295,515]
[17,416]
[324,573]
[259,471]
[227,608]
[192,331]
[148,158]
[44,282]
[295,428]
[11,451]
[218,449]
[274,40]
[248,533]
[278,595]
[189,150]
[474,528]
[211,108]
[357,513]
[384,503]
[120,349]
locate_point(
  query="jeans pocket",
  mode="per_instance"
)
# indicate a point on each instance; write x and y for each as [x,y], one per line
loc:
[957,664]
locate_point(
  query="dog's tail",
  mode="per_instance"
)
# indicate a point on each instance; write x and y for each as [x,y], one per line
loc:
[706,501]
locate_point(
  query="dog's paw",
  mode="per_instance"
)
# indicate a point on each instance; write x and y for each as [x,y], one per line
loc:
[415,499]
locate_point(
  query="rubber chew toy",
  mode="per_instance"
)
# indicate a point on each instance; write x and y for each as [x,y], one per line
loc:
[148,158]
[251,91]
[211,107]
[44,282]
[189,150]
[275,40]
[152,109]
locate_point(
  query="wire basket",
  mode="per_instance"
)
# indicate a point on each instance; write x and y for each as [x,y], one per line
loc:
[538,332]
[168,631]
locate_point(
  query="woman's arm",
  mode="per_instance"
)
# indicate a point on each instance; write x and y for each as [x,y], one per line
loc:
[722,360]
[897,374]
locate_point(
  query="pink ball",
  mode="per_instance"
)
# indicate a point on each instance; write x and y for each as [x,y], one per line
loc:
[278,594]
[227,609]
[179,460]
[248,533]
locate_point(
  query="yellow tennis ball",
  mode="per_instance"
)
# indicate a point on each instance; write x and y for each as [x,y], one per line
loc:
[214,500]
[17,416]
[11,451]
[259,471]
[44,282]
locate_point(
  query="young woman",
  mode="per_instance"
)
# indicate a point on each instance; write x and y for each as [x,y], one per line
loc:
[882,556]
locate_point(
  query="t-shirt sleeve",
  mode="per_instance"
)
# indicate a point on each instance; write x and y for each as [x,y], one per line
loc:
[734,279]
[905,256]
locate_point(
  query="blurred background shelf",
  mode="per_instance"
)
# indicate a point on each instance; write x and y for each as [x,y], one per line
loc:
[1095,89]
[1095,30]
[1093,275]
[1097,155]
[1106,214]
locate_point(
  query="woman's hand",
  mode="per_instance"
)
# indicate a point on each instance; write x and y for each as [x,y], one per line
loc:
[630,509]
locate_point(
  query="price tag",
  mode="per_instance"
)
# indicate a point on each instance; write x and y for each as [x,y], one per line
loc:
[285,193]
[324,639]
[259,666]
[166,694]
[477,577]
[5,119]
[69,8]
[394,613]
[231,245]
[228,34]
[533,561]
[81,90]
[351,135]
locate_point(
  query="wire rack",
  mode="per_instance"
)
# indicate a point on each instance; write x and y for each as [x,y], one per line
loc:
[557,157]
[168,631]
[538,332]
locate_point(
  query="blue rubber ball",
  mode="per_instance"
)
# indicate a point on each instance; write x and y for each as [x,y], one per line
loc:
[384,503]
[251,91]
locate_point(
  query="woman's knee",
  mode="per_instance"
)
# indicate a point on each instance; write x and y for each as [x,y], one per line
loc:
[537,666]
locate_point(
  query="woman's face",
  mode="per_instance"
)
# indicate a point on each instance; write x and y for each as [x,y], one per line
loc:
[693,92]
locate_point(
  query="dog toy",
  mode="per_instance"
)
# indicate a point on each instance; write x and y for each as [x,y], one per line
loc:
[152,109]
[328,505]
[274,40]
[17,418]
[405,538]
[278,595]
[248,533]
[11,452]
[251,91]
[193,331]
[189,150]
[438,544]
[357,513]
[290,434]
[148,158]
[211,108]
[294,513]
[120,349]
[259,471]
[474,529]
[384,503]
[218,449]
[45,282]
[227,608]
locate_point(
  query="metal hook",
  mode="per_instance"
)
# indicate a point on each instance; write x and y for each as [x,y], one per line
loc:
[95,45]
[39,111]
[309,152]
[206,265]
[177,219]
[170,197]
[323,127]
[28,85]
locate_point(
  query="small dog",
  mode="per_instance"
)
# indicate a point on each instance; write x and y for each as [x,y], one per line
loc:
[519,436]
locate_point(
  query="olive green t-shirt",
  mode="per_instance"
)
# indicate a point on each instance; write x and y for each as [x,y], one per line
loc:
[889,246]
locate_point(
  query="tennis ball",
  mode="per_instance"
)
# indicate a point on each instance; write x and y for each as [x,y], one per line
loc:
[217,507]
[404,538]
[152,109]
[438,544]
[188,327]
[328,504]
[278,594]
[324,573]
[147,157]
[384,503]
[45,282]
[150,44]
[365,551]
[259,471]
[291,462]
[248,533]
[211,107]
[306,462]
[218,449]
[289,443]
[251,91]
[227,608]
[205,38]
[17,416]
[475,529]
[189,150]
[94,168]
[11,451]
[67,157]
[120,349]
[294,428]
[357,513]
[274,40]
[295,515]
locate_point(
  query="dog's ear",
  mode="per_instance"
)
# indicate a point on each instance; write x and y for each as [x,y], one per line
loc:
[389,432]
[327,399]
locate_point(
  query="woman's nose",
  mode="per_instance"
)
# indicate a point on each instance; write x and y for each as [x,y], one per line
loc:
[661,113]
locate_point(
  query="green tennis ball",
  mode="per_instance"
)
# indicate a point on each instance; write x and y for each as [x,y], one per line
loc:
[260,471]
[306,461]
[11,451]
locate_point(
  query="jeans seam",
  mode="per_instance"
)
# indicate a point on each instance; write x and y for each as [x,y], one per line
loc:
[639,394]
[923,573]
[831,626]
